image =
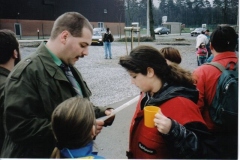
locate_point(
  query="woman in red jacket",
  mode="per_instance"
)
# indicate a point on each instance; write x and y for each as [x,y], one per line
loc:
[180,130]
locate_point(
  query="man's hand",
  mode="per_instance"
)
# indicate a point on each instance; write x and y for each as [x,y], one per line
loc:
[109,121]
[99,126]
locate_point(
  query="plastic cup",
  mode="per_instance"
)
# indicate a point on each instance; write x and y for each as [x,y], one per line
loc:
[149,115]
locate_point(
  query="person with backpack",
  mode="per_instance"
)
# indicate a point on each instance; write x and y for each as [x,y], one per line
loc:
[107,40]
[214,102]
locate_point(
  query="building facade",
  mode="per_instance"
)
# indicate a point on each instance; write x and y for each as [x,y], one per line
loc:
[33,17]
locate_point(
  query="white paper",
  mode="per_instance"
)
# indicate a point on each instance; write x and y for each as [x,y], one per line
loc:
[115,111]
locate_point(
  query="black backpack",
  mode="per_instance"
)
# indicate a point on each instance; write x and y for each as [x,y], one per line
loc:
[108,37]
[224,107]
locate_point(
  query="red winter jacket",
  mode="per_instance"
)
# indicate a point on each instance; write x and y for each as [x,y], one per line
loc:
[149,143]
[207,78]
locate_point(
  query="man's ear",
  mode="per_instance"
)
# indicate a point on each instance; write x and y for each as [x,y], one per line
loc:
[211,47]
[15,54]
[150,72]
[63,36]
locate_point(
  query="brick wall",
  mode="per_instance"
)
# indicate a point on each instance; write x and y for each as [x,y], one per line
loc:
[29,27]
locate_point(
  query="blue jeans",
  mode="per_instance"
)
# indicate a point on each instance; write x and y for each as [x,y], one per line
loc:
[107,48]
[202,60]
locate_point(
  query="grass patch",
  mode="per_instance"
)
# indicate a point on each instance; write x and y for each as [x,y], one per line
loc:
[135,39]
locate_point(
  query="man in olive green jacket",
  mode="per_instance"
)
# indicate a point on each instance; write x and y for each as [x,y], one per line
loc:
[38,84]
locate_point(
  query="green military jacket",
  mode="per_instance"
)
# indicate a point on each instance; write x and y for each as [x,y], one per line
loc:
[33,90]
[3,76]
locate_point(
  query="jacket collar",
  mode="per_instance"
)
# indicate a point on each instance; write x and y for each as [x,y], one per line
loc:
[4,71]
[79,152]
[170,91]
[49,64]
[224,55]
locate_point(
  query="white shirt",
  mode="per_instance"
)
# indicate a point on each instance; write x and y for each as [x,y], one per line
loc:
[201,38]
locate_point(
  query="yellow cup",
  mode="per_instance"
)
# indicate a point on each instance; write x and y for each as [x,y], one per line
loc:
[149,115]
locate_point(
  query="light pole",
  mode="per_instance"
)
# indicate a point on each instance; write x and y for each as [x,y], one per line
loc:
[18,16]
[148,18]
[105,16]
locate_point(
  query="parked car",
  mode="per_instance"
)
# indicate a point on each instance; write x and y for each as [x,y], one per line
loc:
[161,30]
[97,38]
[100,30]
[197,31]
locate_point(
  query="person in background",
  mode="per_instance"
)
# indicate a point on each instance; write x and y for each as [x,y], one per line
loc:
[207,34]
[223,42]
[202,54]
[201,38]
[107,40]
[180,129]
[74,127]
[9,57]
[40,83]
[171,54]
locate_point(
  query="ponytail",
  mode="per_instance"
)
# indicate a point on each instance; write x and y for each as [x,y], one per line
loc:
[179,76]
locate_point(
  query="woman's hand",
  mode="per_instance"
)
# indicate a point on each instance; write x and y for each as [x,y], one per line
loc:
[162,123]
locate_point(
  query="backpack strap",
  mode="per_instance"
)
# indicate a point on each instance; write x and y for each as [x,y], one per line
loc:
[221,67]
[217,65]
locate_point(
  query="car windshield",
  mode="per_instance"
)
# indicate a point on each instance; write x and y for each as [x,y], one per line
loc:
[96,34]
[198,29]
[98,30]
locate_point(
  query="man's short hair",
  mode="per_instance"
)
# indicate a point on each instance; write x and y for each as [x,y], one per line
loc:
[73,22]
[224,39]
[8,43]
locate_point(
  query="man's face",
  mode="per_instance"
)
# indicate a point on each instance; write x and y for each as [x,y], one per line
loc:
[76,47]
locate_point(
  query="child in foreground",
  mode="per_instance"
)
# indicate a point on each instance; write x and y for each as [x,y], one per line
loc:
[74,127]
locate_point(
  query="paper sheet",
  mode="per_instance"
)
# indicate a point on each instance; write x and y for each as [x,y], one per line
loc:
[115,111]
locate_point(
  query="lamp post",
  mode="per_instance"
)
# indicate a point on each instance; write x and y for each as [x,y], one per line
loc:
[105,16]
[18,16]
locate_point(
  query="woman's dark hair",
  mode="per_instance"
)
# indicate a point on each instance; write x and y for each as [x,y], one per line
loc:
[171,54]
[143,56]
[224,39]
